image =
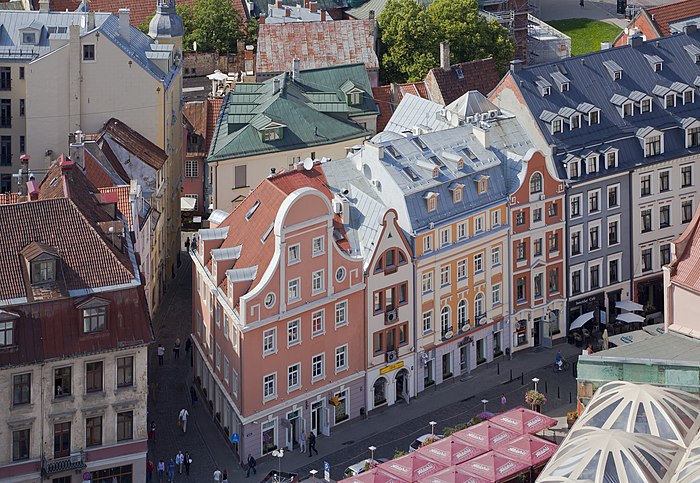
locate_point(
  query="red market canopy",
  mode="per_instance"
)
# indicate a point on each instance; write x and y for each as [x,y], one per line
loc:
[450,451]
[529,449]
[486,435]
[523,421]
[453,475]
[493,466]
[375,475]
[412,467]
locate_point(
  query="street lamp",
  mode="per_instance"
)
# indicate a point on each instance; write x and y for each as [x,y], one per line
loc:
[535,380]
[372,448]
[313,475]
[484,401]
[279,453]
[432,428]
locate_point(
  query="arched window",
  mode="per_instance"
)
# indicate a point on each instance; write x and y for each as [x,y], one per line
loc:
[445,325]
[462,313]
[379,391]
[479,306]
[536,183]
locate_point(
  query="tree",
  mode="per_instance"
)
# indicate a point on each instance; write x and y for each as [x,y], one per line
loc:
[412,34]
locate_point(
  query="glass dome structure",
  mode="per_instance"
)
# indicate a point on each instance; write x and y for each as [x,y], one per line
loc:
[689,468]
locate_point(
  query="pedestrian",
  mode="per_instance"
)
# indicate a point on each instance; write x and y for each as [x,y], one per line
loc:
[176,348]
[224,478]
[184,413]
[302,442]
[171,470]
[149,470]
[312,443]
[161,353]
[179,460]
[188,345]
[188,462]
[504,401]
[251,466]
[187,244]
[581,3]
[161,470]
[217,476]
[152,431]
[193,395]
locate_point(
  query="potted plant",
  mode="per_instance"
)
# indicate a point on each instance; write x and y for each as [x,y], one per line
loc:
[535,399]
[571,417]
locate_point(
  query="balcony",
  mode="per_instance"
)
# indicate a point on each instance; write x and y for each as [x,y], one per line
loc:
[74,462]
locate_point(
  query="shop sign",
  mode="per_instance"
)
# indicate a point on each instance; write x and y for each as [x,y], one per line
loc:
[392,367]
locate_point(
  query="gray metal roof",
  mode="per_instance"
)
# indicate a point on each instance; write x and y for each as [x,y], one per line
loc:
[592,86]
[670,347]
[414,111]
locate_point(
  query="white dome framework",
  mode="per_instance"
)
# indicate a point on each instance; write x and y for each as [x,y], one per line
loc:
[689,468]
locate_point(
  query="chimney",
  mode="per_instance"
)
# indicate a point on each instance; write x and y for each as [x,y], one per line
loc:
[43,5]
[66,164]
[690,28]
[445,55]
[370,16]
[313,7]
[287,12]
[33,190]
[635,40]
[24,174]
[76,150]
[273,171]
[605,45]
[261,20]
[516,65]
[91,20]
[278,4]
[323,15]
[481,133]
[296,70]
[124,24]
[275,85]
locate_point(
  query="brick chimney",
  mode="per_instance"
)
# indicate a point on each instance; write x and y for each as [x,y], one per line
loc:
[287,12]
[445,55]
[66,164]
[313,7]
[278,4]
[323,15]
[33,190]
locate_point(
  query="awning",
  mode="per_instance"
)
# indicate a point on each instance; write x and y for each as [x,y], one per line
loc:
[629,337]
[581,320]
[375,475]
[630,318]
[628,305]
[412,467]
[486,435]
[187,203]
[523,421]
[493,466]
[450,451]
[217,76]
[529,449]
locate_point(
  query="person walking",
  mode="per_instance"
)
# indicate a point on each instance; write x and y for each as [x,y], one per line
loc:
[217,476]
[184,414]
[312,443]
[193,395]
[251,466]
[176,348]
[179,460]
[161,470]
[581,3]
[188,462]
[161,353]
[187,245]
[149,470]
[152,431]
[504,401]
[224,478]
[171,470]
[302,442]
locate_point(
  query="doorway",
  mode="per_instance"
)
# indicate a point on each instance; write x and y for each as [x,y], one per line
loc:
[293,417]
[402,392]
[537,329]
[316,417]
[464,359]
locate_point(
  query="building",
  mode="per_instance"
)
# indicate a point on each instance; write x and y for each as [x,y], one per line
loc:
[334,8]
[374,233]
[660,21]
[627,151]
[538,251]
[74,331]
[314,113]
[279,315]
[308,12]
[318,45]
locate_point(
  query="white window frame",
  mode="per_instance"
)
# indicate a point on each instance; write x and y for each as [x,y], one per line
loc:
[579,197]
[342,352]
[578,229]
[227,370]
[293,254]
[616,187]
[290,369]
[319,315]
[218,357]
[495,218]
[495,256]
[479,303]
[445,276]
[594,224]
[427,317]
[269,381]
[341,314]
[191,168]
[496,294]
[293,325]
[428,243]
[445,237]
[295,282]
[427,281]
[598,263]
[317,282]
[479,224]
[577,163]
[234,382]
[461,231]
[618,258]
[592,160]
[318,246]
[610,220]
[577,269]
[478,262]
[462,269]
[269,341]
[589,196]
[322,375]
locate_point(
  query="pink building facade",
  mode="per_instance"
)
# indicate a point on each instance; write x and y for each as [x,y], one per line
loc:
[279,316]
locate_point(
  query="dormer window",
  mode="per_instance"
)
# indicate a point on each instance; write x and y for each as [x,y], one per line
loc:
[43,271]
[271,134]
[457,192]
[543,86]
[692,132]
[628,109]
[7,328]
[355,98]
[556,126]
[565,87]
[594,117]
[611,159]
[431,199]
[592,164]
[645,105]
[670,100]
[575,121]
[93,315]
[688,96]
[617,75]
[658,66]
[29,38]
[574,169]
[482,185]
[546,91]
[613,69]
[652,141]
[460,164]
[436,172]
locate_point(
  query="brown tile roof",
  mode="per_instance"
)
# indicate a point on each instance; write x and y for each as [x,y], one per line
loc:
[382,96]
[445,86]
[685,270]
[9,198]
[63,5]
[135,143]
[123,204]
[317,44]
[212,114]
[96,173]
[196,114]
[418,89]
[664,15]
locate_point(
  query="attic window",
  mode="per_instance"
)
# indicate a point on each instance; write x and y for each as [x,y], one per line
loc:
[436,172]
[419,142]
[431,199]
[460,74]
[252,209]
[543,86]
[437,161]
[628,109]
[89,52]
[29,38]
[594,117]
[670,100]
[411,173]
[575,121]
[693,51]
[393,151]
[460,164]
[267,233]
[613,69]
[645,105]
[556,126]
[565,87]
[482,185]
[658,66]
[611,159]
[94,319]
[457,194]
[688,96]
[271,134]
[43,271]
[468,153]
[355,98]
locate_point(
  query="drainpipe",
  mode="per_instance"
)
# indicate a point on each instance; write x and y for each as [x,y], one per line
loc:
[631,239]
[565,285]
[415,321]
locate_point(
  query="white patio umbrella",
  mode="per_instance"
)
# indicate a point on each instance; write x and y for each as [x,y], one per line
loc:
[629,306]
[581,320]
[630,318]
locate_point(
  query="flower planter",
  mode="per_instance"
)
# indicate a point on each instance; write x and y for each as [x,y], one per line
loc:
[570,422]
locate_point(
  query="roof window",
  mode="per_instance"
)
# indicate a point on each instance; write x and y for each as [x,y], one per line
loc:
[656,62]
[543,86]
[561,81]
[460,74]
[252,209]
[694,52]
[411,173]
[393,151]
[613,69]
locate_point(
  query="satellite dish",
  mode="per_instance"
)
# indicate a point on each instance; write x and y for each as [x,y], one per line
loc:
[308,164]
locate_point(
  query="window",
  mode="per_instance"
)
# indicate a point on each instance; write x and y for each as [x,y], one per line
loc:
[646,260]
[461,231]
[593,241]
[28,37]
[664,184]
[293,290]
[613,233]
[227,325]
[496,294]
[271,134]
[595,276]
[652,146]
[240,177]
[270,341]
[686,176]
[445,237]
[593,206]
[538,285]
[5,78]
[341,314]
[665,254]
[687,209]
[61,439]
[461,270]
[62,381]
[479,311]
[594,117]
[576,243]
[191,168]
[537,247]
[293,379]
[125,426]
[592,164]
[646,221]
[693,137]
[22,145]
[21,72]
[478,224]
[574,169]
[457,195]
[670,100]
[665,216]
[645,105]
[218,357]
[88,52]
[317,367]
[20,445]
[575,207]
[318,323]
[269,436]
[293,254]
[553,280]
[536,183]
[227,369]
[444,276]
[93,431]
[520,251]
[575,121]
[495,219]
[427,243]
[125,371]
[318,246]
[427,282]
[556,126]
[427,321]
[341,358]
[462,314]
[576,281]
[293,332]
[495,256]
[628,109]
[645,185]
[520,288]
[611,159]
[520,218]
[270,386]
[317,282]
[553,210]
[432,202]
[613,200]
[613,271]
[688,96]
[536,215]
[94,319]
[43,271]
[553,242]
[93,376]
[5,113]
[445,322]
[234,383]
[21,389]
[478,262]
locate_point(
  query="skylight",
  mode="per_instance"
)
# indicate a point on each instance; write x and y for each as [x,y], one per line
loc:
[419,142]
[252,209]
[460,74]
[468,153]
[393,151]
[411,173]
[267,232]
[437,161]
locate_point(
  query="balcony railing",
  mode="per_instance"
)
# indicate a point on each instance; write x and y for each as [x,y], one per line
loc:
[74,462]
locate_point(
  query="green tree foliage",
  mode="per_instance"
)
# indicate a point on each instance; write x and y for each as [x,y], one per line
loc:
[411,36]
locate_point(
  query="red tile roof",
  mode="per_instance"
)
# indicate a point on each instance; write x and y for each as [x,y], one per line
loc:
[63,5]
[96,173]
[418,89]
[213,110]
[445,86]
[135,143]
[9,198]
[685,270]
[664,15]
[123,204]
[317,44]
[382,96]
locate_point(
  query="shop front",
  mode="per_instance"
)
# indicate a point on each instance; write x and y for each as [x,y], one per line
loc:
[391,384]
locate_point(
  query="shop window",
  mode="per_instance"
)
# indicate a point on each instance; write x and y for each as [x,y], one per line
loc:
[269,437]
